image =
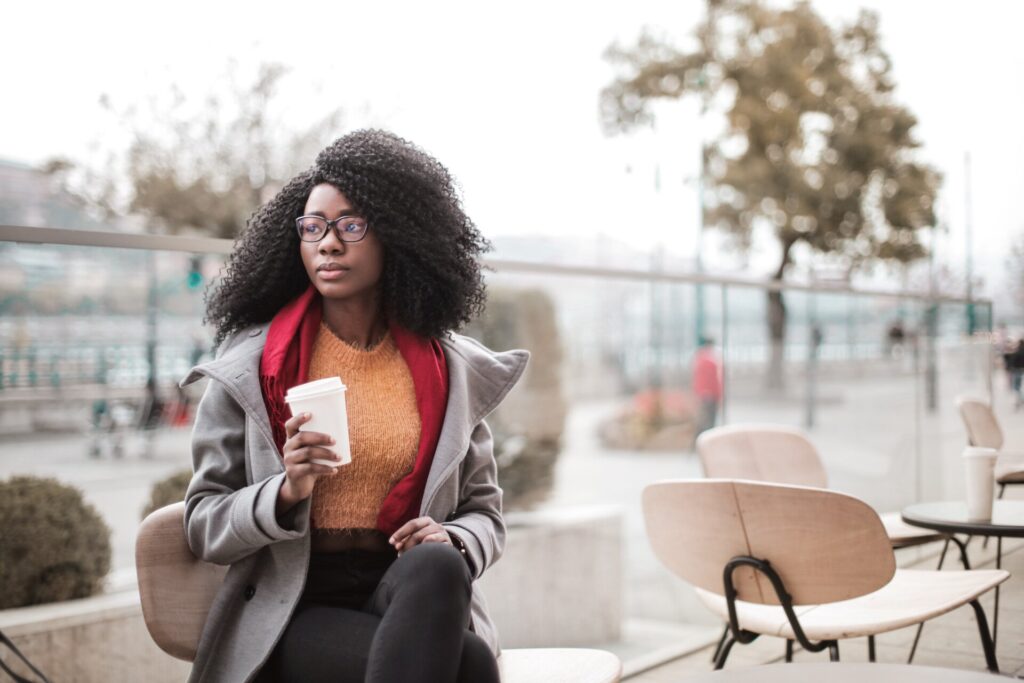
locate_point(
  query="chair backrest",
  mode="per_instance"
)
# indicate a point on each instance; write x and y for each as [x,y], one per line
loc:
[176,588]
[772,453]
[981,423]
[826,546]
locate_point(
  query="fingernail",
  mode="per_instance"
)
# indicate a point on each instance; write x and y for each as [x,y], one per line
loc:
[306,415]
[332,440]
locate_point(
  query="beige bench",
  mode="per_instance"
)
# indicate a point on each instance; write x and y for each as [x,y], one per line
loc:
[176,590]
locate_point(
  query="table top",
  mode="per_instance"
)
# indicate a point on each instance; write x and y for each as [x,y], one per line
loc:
[951,517]
[841,672]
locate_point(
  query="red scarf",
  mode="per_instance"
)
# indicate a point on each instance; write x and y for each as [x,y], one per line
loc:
[285,363]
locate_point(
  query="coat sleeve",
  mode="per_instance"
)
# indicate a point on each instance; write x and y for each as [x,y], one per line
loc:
[477,520]
[226,518]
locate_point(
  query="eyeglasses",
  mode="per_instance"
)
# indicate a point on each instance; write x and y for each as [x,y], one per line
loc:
[347,228]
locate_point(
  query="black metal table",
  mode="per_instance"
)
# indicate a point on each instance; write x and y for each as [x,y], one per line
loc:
[951,517]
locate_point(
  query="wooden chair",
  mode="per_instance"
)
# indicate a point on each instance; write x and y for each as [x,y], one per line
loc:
[799,563]
[176,591]
[785,455]
[983,430]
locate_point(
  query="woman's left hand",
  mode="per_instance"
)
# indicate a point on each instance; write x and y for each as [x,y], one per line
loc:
[416,531]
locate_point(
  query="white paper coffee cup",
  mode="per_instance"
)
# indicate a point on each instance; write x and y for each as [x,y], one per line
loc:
[324,400]
[980,465]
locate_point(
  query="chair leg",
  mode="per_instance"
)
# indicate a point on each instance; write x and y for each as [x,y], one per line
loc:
[986,638]
[913,648]
[962,547]
[833,651]
[721,641]
[942,557]
[871,648]
[967,565]
[724,653]
[789,650]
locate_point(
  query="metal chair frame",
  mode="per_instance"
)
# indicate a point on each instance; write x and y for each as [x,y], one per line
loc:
[737,634]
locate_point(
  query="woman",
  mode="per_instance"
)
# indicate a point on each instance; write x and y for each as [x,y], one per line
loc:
[360,267]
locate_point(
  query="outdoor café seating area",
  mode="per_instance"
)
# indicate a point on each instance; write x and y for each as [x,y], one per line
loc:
[802,574]
[798,573]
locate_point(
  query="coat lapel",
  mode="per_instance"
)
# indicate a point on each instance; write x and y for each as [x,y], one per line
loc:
[478,380]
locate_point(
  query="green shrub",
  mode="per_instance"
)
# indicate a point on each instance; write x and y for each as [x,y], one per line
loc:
[54,545]
[167,491]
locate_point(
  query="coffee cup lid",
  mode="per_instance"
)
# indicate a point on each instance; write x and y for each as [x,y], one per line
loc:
[314,388]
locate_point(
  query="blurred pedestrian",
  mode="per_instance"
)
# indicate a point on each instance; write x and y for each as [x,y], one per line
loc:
[1014,363]
[707,384]
[894,337]
[1003,345]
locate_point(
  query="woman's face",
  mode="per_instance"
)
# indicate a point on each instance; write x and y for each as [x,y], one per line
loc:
[340,270]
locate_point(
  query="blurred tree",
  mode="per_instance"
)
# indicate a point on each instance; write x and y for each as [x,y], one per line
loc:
[200,164]
[814,148]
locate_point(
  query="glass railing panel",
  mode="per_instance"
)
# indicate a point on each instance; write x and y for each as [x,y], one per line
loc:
[93,342]
[954,364]
[630,413]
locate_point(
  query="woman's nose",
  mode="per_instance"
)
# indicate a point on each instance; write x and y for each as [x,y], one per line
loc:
[331,243]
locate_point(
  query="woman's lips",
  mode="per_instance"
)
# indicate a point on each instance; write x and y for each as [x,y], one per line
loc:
[332,274]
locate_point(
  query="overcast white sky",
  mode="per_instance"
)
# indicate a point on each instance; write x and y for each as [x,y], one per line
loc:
[506,95]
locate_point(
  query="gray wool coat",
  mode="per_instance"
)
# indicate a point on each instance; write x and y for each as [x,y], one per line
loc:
[230,516]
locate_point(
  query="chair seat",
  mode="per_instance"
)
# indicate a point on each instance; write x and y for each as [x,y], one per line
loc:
[1010,468]
[902,534]
[559,665]
[911,597]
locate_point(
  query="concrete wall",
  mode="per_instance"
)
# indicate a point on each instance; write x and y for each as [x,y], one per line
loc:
[100,639]
[561,580]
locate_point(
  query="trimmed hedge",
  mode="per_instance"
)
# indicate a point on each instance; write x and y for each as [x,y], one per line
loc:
[55,545]
[168,491]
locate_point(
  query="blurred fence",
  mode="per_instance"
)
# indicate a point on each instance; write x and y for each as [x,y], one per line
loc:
[104,323]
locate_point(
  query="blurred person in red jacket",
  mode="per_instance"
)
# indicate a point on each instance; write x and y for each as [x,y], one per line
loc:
[707,384]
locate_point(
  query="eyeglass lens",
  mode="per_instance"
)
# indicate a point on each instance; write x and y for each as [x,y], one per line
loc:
[313,228]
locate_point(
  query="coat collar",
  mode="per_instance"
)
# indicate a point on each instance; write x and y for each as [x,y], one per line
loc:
[478,380]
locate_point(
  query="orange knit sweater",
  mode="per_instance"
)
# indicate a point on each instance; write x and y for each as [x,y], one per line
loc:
[383,427]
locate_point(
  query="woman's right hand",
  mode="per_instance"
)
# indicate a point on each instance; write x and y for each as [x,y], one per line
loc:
[300,473]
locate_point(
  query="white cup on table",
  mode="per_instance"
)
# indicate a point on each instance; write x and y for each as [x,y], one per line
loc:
[980,465]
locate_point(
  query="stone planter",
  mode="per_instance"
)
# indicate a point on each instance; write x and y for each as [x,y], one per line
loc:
[560,581]
[101,639]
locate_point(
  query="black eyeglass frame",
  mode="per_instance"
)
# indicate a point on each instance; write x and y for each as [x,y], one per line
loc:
[331,225]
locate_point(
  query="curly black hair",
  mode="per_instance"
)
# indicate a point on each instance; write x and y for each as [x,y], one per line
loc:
[431,283]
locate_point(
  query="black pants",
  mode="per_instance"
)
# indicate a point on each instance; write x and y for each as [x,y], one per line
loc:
[366,616]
